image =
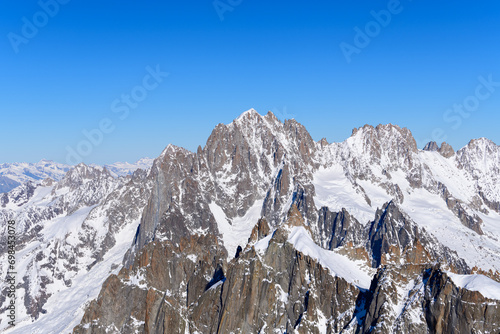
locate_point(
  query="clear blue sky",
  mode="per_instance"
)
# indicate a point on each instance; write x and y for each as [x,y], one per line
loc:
[283,56]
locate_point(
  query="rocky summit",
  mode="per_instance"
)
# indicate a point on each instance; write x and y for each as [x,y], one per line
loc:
[264,230]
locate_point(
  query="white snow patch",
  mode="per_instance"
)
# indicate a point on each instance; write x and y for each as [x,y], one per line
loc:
[430,211]
[484,285]
[403,294]
[338,264]
[322,322]
[446,171]
[219,283]
[261,245]
[137,280]
[283,296]
[236,232]
[192,257]
[335,191]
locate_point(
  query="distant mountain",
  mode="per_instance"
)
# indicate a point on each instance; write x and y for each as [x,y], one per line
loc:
[264,230]
[125,168]
[14,174]
[7,184]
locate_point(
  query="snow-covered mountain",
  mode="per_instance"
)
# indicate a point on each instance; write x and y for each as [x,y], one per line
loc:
[125,168]
[264,230]
[14,174]
[71,234]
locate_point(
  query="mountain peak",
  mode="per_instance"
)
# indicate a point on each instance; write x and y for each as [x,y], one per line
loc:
[82,173]
[480,142]
[271,116]
[249,114]
[170,149]
[480,148]
[385,137]
[431,146]
[446,150]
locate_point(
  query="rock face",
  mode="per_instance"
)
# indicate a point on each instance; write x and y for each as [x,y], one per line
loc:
[155,294]
[264,230]
[446,150]
[429,302]
[338,229]
[187,288]
[394,238]
[480,159]
[431,146]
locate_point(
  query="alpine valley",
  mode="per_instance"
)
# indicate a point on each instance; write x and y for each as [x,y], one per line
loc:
[263,230]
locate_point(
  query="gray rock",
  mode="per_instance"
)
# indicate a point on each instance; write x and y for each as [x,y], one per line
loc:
[431,146]
[446,150]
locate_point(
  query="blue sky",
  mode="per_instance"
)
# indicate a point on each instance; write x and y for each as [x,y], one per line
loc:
[72,72]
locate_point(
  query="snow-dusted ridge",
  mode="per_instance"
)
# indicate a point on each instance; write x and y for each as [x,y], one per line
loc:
[484,285]
[235,232]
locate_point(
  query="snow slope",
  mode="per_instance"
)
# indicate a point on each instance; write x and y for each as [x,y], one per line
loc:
[236,232]
[335,191]
[67,305]
[354,272]
[484,285]
[350,172]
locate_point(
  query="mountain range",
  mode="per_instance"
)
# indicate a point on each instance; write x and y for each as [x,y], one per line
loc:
[263,230]
[14,174]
